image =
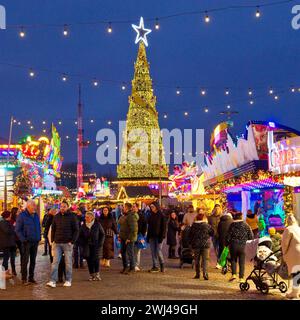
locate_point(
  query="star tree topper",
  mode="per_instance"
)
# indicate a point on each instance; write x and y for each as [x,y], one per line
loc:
[141,32]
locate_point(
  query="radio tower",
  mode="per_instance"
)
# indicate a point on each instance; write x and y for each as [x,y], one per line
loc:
[79,141]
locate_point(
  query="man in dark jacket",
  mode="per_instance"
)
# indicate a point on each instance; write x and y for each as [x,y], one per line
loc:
[8,242]
[128,235]
[155,236]
[199,239]
[64,233]
[28,229]
[142,230]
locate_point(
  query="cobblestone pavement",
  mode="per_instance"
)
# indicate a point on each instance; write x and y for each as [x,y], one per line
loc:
[174,284]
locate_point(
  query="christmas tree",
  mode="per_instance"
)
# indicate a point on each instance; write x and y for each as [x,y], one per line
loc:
[136,161]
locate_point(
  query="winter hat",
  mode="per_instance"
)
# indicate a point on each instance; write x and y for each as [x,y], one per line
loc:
[5,214]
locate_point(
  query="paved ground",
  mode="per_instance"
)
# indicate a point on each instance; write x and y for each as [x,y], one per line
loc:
[174,284]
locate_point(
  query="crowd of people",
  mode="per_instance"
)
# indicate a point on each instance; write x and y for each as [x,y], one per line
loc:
[73,234]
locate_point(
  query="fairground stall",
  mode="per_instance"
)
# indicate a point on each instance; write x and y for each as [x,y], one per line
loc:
[31,169]
[238,170]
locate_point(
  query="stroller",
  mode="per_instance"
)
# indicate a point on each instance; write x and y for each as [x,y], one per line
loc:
[185,252]
[266,265]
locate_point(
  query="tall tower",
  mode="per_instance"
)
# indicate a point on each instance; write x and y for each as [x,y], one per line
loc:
[142,115]
[79,140]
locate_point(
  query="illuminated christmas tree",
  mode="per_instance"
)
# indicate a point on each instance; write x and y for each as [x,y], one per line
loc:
[138,158]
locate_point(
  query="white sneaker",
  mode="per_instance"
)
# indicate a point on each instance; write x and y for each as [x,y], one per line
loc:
[51,284]
[119,256]
[137,269]
[67,284]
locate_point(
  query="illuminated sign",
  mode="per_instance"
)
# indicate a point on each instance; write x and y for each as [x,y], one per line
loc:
[291,181]
[284,155]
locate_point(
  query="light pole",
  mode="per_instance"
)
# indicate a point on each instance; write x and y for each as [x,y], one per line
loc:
[7,162]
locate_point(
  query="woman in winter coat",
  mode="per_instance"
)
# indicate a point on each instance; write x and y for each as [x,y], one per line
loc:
[173,228]
[109,225]
[290,245]
[214,220]
[238,234]
[8,242]
[199,239]
[91,238]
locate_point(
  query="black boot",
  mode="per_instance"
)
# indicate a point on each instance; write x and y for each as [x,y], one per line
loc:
[162,267]
[205,276]
[197,276]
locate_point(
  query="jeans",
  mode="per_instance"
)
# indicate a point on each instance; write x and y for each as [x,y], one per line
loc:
[9,253]
[156,252]
[237,253]
[127,250]
[29,251]
[78,258]
[203,255]
[58,249]
[93,261]
[137,256]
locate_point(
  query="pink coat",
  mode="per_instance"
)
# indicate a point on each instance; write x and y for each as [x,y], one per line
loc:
[290,245]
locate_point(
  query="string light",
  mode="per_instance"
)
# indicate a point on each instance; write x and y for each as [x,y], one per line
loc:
[59,122]
[123,87]
[276,97]
[65,30]
[228,106]
[206,110]
[203,92]
[257,13]
[31,73]
[95,83]
[178,91]
[31,127]
[22,33]
[186,113]
[250,92]
[92,121]
[44,130]
[251,102]
[271,91]
[29,122]
[67,137]
[207,18]
[64,77]
[109,122]
[76,122]
[156,24]
[293,89]
[109,29]
[19,123]
[44,122]
[165,116]
[226,92]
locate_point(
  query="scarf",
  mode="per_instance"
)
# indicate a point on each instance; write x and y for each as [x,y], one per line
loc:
[89,225]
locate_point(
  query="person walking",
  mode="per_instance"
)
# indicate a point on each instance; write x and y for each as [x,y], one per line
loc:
[252,221]
[238,234]
[199,240]
[91,239]
[189,217]
[15,212]
[290,245]
[128,236]
[77,250]
[46,244]
[155,236]
[173,229]
[214,220]
[28,229]
[8,242]
[142,231]
[64,233]
[109,225]
[223,227]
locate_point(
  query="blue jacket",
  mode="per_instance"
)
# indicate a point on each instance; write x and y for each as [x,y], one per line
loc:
[28,227]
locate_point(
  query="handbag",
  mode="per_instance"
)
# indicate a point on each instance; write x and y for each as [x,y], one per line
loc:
[223,257]
[141,245]
[283,271]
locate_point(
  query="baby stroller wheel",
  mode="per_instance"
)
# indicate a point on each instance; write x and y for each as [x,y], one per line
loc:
[264,288]
[244,286]
[283,287]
